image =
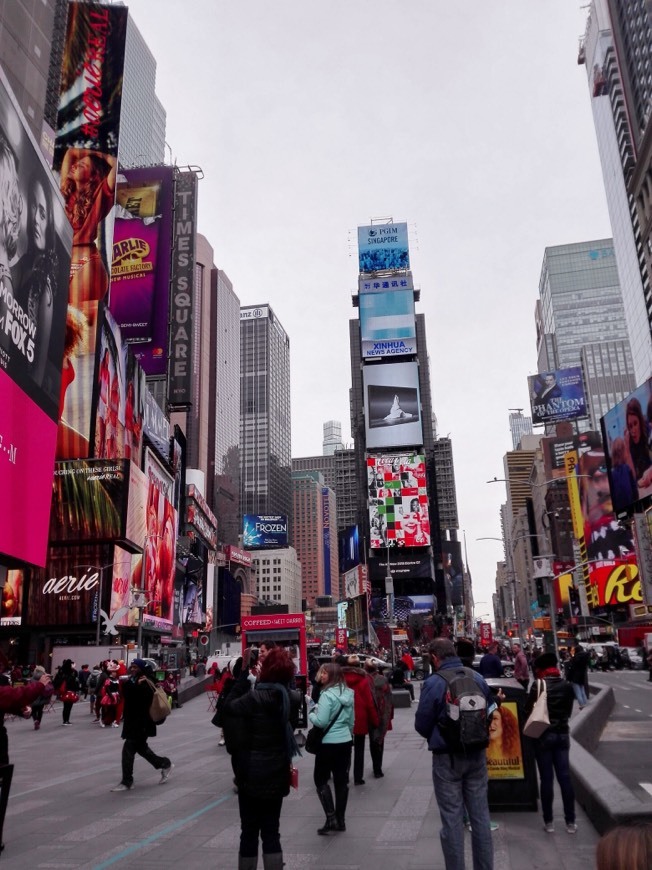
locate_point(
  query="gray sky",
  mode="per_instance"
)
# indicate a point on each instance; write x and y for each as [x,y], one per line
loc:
[470,121]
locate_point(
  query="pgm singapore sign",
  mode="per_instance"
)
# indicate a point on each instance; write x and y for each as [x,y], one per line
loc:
[383,247]
[265,531]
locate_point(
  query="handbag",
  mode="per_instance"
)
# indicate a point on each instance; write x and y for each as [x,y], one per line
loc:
[538,721]
[70,697]
[294,776]
[317,734]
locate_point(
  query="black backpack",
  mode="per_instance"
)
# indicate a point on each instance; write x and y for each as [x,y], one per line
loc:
[464,724]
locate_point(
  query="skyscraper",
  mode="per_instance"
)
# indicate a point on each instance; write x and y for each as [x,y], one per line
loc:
[619,155]
[265,424]
[332,437]
[580,320]
[314,535]
[519,426]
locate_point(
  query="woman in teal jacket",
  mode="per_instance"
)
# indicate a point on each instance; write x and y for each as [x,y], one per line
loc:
[333,757]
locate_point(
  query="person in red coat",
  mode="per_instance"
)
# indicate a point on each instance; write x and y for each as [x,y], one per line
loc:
[366,714]
[16,700]
[408,661]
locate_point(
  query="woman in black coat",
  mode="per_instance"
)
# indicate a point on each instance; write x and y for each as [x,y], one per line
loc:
[66,683]
[259,732]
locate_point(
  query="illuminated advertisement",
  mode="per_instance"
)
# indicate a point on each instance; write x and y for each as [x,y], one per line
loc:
[555,449]
[136,522]
[387,326]
[66,591]
[200,518]
[35,241]
[557,395]
[349,548]
[12,599]
[403,567]
[376,284]
[605,536]
[264,531]
[160,545]
[140,269]
[404,606]
[119,407]
[86,158]
[504,752]
[398,501]
[612,582]
[88,500]
[626,430]
[354,581]
[156,426]
[326,537]
[183,270]
[383,247]
[453,566]
[125,572]
[392,405]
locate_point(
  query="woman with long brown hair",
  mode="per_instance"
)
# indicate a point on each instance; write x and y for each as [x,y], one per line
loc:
[333,758]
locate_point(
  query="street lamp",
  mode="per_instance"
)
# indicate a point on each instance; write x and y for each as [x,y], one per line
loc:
[100,569]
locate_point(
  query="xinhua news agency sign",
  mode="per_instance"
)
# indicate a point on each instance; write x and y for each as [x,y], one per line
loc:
[183,268]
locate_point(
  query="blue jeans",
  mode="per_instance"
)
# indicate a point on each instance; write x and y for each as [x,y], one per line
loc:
[580,694]
[461,781]
[551,752]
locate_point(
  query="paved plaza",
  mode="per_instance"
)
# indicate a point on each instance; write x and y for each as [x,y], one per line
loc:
[62,814]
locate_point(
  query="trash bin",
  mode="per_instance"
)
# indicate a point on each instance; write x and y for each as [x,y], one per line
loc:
[510,756]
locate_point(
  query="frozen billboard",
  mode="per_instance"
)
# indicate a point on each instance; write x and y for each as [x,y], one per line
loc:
[392,405]
[383,247]
[387,325]
[140,269]
[261,532]
[626,434]
[35,240]
[557,395]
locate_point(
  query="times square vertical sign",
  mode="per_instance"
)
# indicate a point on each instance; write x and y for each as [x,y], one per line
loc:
[182,291]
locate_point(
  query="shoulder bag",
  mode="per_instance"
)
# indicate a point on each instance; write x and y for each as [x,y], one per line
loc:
[538,721]
[317,734]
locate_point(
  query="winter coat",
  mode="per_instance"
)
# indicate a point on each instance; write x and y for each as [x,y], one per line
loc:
[560,702]
[256,736]
[578,667]
[331,702]
[382,694]
[14,698]
[366,715]
[136,721]
[66,681]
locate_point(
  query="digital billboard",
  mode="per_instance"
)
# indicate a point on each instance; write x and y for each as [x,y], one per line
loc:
[264,531]
[140,269]
[605,536]
[392,405]
[160,545]
[555,449]
[35,240]
[398,501]
[626,432]
[86,158]
[557,395]
[349,548]
[89,498]
[12,598]
[119,395]
[387,326]
[383,247]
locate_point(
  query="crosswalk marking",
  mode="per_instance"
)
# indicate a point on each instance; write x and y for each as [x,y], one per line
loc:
[647,786]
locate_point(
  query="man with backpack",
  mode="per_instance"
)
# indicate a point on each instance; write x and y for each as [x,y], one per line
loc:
[138,692]
[453,715]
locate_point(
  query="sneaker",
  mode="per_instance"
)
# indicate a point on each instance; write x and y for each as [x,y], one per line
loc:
[220,742]
[571,827]
[102,725]
[165,773]
[95,720]
[122,787]
[493,826]
[549,828]
[115,725]
[37,725]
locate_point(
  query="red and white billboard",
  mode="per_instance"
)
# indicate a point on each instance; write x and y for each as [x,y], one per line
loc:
[160,545]
[398,501]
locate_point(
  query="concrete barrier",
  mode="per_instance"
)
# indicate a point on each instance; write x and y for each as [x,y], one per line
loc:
[190,687]
[606,800]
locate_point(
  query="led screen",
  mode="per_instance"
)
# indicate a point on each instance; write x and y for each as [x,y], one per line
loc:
[557,395]
[392,405]
[387,326]
[398,501]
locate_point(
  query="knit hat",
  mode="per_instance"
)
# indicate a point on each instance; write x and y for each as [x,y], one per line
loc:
[545,661]
[140,663]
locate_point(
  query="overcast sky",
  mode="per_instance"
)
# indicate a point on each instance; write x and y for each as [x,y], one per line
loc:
[471,121]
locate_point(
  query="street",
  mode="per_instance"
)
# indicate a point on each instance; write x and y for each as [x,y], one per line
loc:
[62,813]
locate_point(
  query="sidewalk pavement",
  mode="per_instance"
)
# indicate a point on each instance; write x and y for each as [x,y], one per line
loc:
[62,814]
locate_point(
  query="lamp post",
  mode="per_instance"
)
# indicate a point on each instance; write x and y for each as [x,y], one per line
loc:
[100,570]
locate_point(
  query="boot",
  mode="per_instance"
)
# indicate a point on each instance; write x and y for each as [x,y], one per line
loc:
[247,863]
[341,799]
[326,798]
[273,861]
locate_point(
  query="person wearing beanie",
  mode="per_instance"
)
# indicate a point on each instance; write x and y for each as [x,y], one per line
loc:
[66,683]
[551,750]
[137,726]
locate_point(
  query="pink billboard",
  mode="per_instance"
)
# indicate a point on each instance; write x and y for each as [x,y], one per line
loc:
[35,240]
[160,545]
